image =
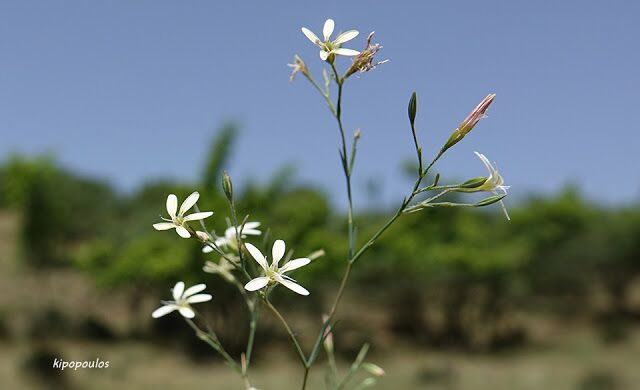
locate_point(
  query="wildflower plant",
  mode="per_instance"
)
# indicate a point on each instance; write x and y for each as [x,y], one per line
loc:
[246,267]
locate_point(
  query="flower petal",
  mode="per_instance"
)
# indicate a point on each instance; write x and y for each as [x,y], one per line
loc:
[198,216]
[163,310]
[207,249]
[172,205]
[324,55]
[291,285]
[346,52]
[311,36]
[230,232]
[187,312]
[327,30]
[257,255]
[295,264]
[345,37]
[163,226]
[486,162]
[277,251]
[199,298]
[189,202]
[251,225]
[193,289]
[183,232]
[177,291]
[257,283]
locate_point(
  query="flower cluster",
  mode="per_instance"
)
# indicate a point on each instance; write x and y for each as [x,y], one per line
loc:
[256,283]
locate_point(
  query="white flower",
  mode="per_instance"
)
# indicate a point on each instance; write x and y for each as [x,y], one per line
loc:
[274,273]
[182,300]
[222,268]
[230,237]
[177,220]
[494,182]
[328,47]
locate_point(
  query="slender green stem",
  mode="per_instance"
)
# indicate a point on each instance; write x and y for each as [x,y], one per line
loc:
[306,375]
[292,336]
[254,312]
[345,164]
[324,95]
[213,341]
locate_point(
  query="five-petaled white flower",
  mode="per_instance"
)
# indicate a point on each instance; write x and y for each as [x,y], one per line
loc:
[230,237]
[494,181]
[274,273]
[177,220]
[328,47]
[182,300]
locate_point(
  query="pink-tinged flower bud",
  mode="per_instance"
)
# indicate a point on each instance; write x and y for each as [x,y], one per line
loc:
[470,121]
[373,369]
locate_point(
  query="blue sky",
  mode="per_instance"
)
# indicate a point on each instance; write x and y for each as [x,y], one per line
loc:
[133,90]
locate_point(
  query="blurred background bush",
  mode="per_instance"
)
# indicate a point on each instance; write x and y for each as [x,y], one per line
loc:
[443,291]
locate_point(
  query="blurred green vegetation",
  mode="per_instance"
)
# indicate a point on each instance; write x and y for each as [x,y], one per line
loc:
[560,254]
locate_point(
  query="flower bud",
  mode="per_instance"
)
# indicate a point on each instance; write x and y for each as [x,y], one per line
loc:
[227,186]
[328,336]
[412,108]
[470,121]
[202,236]
[373,369]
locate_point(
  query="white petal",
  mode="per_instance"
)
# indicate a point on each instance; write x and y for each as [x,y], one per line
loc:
[177,291]
[189,202]
[163,226]
[346,52]
[251,232]
[327,30]
[207,249]
[221,242]
[257,255]
[257,283]
[172,205]
[187,312]
[291,285]
[277,251]
[295,264]
[230,232]
[251,225]
[324,55]
[183,232]
[199,298]
[345,37]
[198,216]
[193,289]
[311,36]
[163,310]
[486,162]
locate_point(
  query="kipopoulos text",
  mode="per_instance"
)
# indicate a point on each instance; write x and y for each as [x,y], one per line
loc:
[76,364]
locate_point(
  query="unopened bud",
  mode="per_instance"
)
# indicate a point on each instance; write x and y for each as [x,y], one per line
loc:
[227,186]
[357,134]
[470,121]
[412,108]
[328,336]
[202,236]
[373,369]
